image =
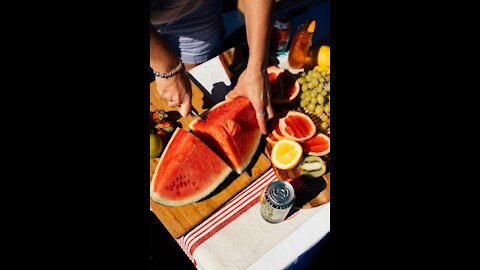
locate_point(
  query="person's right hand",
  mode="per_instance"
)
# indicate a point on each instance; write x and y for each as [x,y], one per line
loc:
[177,91]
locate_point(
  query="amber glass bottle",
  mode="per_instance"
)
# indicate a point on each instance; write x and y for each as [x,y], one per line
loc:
[301,44]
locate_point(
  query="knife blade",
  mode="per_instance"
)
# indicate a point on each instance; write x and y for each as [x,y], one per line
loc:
[195,115]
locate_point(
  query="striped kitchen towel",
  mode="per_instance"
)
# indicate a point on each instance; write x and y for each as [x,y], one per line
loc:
[237,237]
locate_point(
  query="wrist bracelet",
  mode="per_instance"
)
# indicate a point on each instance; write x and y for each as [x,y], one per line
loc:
[171,73]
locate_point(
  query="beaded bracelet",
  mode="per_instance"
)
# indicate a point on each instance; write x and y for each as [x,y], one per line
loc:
[171,73]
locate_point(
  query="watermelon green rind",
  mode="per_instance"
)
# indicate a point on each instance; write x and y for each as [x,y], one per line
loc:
[200,161]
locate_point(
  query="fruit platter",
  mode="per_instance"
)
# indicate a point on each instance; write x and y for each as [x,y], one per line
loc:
[299,134]
[198,163]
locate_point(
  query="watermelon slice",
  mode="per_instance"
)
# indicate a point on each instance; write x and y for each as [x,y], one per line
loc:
[187,171]
[230,128]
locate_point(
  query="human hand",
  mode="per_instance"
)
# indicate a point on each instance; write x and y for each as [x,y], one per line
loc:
[177,91]
[253,83]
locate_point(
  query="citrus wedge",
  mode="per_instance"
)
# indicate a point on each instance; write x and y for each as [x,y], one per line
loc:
[297,126]
[271,139]
[283,86]
[311,26]
[317,146]
[286,154]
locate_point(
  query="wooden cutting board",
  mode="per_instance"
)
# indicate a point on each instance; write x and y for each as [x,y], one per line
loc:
[180,220]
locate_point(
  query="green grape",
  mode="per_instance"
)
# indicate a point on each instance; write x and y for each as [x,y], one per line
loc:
[302,80]
[328,78]
[327,108]
[324,125]
[322,80]
[320,87]
[320,99]
[324,73]
[311,85]
[323,93]
[327,87]
[324,117]
[318,109]
[311,107]
[304,87]
[313,93]
[315,82]
[303,95]
[308,78]
[307,99]
[313,101]
[310,72]
[303,103]
[316,74]
[303,74]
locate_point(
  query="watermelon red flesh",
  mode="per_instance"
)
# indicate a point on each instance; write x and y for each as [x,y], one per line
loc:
[218,139]
[187,171]
[245,134]
[237,117]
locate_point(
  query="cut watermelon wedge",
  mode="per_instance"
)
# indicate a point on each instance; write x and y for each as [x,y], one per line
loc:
[187,171]
[235,118]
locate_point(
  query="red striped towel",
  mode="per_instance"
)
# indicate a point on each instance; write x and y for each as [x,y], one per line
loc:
[236,236]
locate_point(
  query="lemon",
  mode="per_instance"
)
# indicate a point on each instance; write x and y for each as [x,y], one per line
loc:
[323,56]
[156,145]
[320,68]
[286,154]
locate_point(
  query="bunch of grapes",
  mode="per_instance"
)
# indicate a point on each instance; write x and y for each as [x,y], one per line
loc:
[315,96]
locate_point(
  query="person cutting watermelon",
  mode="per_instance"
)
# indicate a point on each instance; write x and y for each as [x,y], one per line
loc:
[184,34]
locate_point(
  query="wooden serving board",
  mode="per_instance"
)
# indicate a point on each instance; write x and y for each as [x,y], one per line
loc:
[180,220]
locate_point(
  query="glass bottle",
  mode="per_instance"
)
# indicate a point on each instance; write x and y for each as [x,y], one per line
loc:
[301,44]
[280,36]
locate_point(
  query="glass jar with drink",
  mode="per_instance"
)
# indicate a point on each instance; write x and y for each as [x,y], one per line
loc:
[301,44]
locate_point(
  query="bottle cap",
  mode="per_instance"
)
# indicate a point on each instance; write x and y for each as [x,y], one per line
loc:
[282,21]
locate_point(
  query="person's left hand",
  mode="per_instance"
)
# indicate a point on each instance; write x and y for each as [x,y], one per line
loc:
[253,84]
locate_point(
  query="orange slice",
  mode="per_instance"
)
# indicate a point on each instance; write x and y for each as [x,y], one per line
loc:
[286,154]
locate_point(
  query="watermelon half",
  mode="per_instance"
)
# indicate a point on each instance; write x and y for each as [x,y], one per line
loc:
[187,171]
[230,129]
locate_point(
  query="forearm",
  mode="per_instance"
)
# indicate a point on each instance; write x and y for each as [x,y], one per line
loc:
[162,57]
[258,15]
